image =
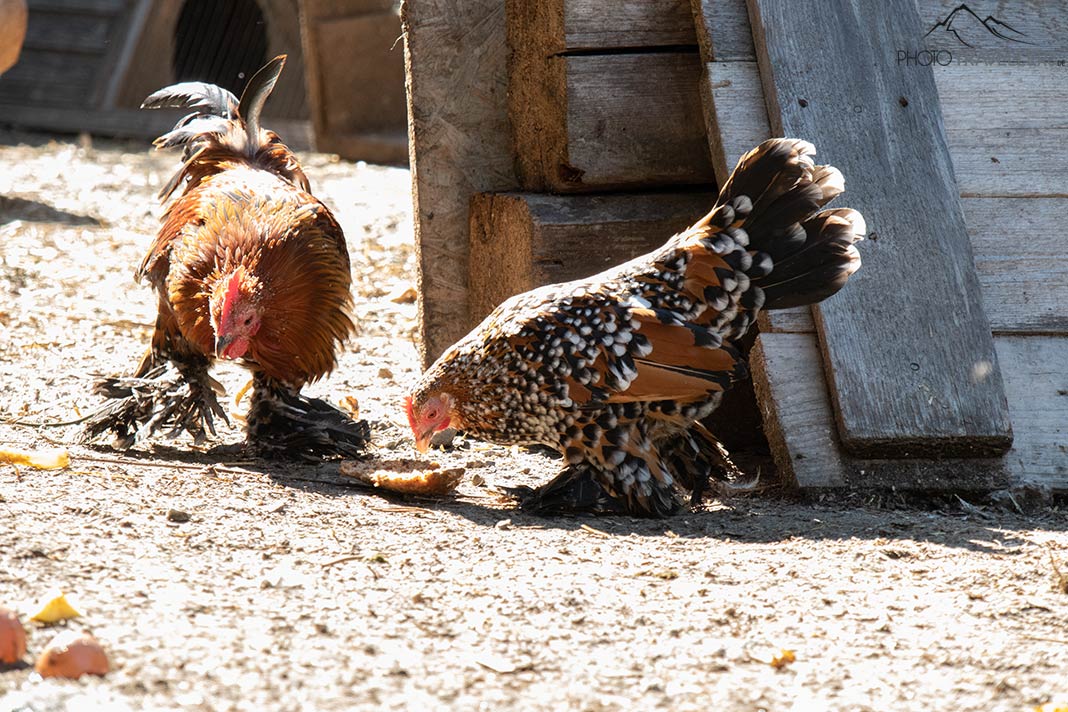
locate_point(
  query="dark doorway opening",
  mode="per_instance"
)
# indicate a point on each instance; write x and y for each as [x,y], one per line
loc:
[220,41]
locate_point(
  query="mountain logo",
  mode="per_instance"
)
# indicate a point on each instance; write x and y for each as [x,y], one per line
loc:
[963,22]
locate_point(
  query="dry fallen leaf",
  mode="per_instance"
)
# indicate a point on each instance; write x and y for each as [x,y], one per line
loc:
[351,406]
[404,295]
[782,659]
[405,476]
[49,459]
[12,637]
[57,607]
[777,659]
[72,654]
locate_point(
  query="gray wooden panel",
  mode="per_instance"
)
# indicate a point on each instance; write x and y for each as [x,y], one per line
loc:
[908,376]
[68,32]
[595,24]
[552,27]
[723,30]
[607,122]
[636,120]
[734,111]
[455,55]
[801,429]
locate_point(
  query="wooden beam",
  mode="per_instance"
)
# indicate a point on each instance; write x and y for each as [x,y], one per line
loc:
[906,376]
[460,143]
[545,239]
[723,32]
[804,440]
[603,122]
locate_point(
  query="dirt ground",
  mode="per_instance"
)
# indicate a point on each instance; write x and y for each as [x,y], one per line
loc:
[289,588]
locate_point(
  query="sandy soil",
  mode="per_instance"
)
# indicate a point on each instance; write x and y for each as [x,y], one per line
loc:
[289,588]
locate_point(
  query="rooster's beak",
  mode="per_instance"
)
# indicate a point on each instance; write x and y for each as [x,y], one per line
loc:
[221,344]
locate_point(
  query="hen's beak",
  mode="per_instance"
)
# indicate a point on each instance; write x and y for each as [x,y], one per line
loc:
[422,440]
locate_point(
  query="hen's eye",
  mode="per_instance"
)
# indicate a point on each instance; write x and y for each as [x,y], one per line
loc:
[248,321]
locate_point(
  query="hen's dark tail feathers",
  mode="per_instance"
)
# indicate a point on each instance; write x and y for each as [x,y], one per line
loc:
[775,192]
[219,119]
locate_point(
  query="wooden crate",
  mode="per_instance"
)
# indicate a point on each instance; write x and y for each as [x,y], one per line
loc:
[605,101]
[355,76]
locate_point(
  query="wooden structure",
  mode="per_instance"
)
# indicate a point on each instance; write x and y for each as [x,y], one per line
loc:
[942,366]
[356,78]
[88,64]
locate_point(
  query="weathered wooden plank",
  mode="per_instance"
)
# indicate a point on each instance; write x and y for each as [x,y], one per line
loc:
[1020,259]
[460,144]
[723,31]
[552,27]
[1022,279]
[84,7]
[67,32]
[547,238]
[334,9]
[363,93]
[736,119]
[608,122]
[789,381]
[905,376]
[49,79]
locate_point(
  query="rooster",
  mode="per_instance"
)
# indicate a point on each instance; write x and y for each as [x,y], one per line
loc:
[616,371]
[248,265]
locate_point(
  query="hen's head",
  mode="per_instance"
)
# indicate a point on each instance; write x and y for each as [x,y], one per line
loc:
[429,410]
[236,313]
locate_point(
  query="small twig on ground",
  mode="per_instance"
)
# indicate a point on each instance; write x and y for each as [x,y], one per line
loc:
[341,560]
[1062,579]
[591,530]
[1044,639]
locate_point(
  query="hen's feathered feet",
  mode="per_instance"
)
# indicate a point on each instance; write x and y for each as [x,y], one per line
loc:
[574,491]
[282,422]
[163,398]
[580,489]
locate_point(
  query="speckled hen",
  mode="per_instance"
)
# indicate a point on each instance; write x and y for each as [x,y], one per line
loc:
[616,371]
[248,265]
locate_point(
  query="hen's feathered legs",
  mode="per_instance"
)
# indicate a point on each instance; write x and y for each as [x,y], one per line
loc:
[630,488]
[168,396]
[282,422]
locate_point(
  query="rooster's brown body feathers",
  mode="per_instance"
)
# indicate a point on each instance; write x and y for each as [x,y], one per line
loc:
[243,228]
